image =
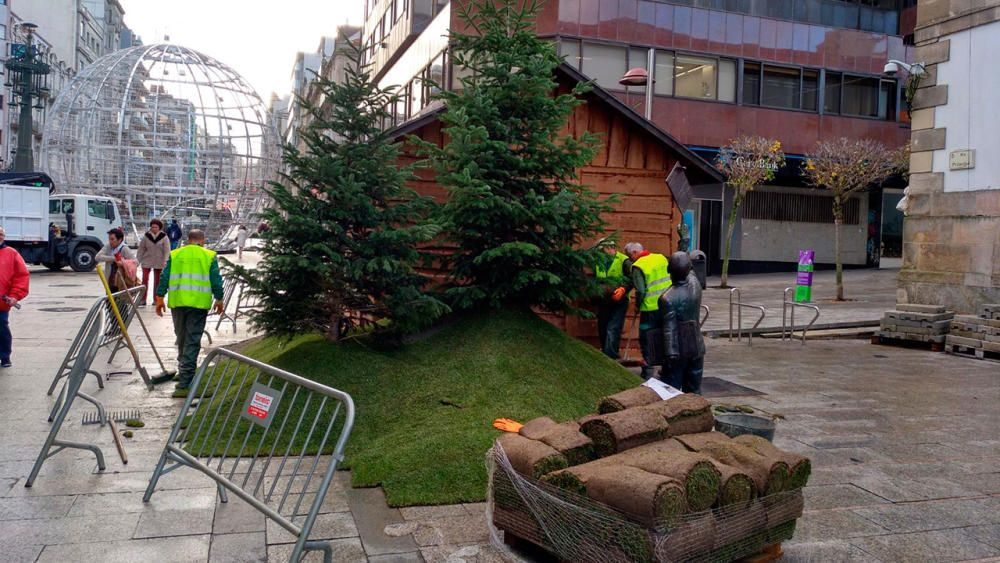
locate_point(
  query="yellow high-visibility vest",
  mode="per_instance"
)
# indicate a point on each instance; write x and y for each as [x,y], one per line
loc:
[654,269]
[190,282]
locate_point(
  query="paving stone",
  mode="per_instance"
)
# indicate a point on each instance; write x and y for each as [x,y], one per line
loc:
[346,550]
[327,526]
[187,549]
[826,524]
[990,535]
[476,508]
[20,553]
[824,551]
[372,516]
[237,516]
[24,508]
[164,523]
[839,496]
[115,503]
[940,545]
[51,531]
[238,548]
[453,530]
[411,557]
[428,512]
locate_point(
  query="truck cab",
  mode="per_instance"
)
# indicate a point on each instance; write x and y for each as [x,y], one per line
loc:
[54,230]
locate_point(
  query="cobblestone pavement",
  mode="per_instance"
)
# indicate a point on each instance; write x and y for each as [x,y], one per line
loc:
[905,447]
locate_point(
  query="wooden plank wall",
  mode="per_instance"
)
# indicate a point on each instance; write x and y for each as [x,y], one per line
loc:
[630,163]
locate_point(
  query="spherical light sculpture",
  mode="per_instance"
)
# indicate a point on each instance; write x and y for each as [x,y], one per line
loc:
[170,133]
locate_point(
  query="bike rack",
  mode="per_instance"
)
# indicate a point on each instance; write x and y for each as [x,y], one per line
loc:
[739,316]
[707,311]
[791,325]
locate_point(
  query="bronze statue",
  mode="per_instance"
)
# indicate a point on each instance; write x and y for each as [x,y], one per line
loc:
[683,345]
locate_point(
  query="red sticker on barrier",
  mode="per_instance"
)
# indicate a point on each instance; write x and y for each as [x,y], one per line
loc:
[260,404]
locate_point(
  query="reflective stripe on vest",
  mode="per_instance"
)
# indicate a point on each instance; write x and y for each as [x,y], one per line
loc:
[614,271]
[654,269]
[190,282]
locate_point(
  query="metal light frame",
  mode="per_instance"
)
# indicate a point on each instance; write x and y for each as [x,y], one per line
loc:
[170,133]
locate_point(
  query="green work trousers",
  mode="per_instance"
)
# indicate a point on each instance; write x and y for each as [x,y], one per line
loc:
[189,324]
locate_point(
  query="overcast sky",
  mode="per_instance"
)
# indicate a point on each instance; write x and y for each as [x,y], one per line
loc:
[257,38]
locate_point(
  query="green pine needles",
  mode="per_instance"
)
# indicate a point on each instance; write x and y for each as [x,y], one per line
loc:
[516,211]
[344,228]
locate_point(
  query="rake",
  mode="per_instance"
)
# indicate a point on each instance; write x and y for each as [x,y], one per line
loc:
[117,415]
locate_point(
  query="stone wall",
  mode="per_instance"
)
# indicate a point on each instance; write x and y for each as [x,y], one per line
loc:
[951,236]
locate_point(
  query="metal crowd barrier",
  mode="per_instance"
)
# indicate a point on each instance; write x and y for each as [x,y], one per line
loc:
[739,306]
[229,287]
[110,334]
[225,429]
[707,312]
[87,351]
[787,304]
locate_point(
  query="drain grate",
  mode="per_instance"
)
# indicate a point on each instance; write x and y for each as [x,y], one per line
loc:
[62,309]
[715,387]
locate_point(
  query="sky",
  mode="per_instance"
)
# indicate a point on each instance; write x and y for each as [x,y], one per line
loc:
[257,38]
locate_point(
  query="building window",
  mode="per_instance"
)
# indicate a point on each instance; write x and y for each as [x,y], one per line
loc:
[727,80]
[810,89]
[695,77]
[570,50]
[831,92]
[780,87]
[663,73]
[604,63]
[797,208]
[751,84]
[860,96]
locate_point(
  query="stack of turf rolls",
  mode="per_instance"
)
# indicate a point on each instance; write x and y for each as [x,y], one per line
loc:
[662,484]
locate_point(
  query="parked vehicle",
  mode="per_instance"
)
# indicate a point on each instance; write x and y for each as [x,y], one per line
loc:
[54,230]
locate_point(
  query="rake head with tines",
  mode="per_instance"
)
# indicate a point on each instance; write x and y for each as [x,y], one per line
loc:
[117,416]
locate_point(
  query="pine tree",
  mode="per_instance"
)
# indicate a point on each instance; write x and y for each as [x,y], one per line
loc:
[516,210]
[344,229]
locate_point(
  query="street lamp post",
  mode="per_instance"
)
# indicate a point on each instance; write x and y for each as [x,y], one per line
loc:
[27,81]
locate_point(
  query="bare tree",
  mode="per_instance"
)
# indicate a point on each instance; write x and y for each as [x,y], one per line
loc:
[845,166]
[747,162]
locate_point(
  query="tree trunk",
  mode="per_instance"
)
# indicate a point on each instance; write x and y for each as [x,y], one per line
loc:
[838,220]
[737,200]
[333,332]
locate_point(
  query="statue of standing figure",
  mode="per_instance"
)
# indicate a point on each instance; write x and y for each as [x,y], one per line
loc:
[684,237]
[683,345]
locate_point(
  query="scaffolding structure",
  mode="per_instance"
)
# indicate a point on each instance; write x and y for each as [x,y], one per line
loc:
[169,132]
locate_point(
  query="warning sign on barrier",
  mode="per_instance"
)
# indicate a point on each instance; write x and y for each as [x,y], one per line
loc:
[262,403]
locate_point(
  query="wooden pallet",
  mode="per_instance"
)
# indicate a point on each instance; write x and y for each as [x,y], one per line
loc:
[907,343]
[970,352]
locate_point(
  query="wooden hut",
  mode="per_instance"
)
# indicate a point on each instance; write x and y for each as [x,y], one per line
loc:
[634,161]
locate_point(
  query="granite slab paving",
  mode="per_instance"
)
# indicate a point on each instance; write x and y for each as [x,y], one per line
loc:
[904,445]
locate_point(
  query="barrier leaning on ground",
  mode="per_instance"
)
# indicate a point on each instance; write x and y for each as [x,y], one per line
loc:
[250,427]
[87,348]
[110,334]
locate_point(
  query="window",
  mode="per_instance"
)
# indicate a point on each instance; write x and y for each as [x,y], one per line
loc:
[695,77]
[727,80]
[798,208]
[437,74]
[780,87]
[99,209]
[887,100]
[663,73]
[570,49]
[860,96]
[831,92]
[751,84]
[604,63]
[810,87]
[60,206]
[3,32]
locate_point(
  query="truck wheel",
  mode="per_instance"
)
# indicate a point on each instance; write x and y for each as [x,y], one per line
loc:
[83,259]
[52,266]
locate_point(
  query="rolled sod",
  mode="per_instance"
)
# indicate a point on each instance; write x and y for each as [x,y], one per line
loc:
[575,478]
[737,487]
[736,523]
[769,475]
[696,472]
[799,467]
[505,494]
[688,539]
[619,431]
[535,428]
[566,438]
[691,424]
[531,457]
[685,414]
[634,397]
[645,496]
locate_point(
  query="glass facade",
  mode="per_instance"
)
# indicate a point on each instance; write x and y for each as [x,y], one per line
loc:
[879,16]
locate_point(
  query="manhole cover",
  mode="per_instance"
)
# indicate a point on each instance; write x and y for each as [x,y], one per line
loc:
[66,285]
[715,387]
[62,309]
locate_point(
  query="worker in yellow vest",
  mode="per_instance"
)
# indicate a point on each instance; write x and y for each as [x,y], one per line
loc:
[651,280]
[191,278]
[612,306]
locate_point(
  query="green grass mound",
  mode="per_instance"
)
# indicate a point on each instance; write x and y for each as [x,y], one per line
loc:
[425,411]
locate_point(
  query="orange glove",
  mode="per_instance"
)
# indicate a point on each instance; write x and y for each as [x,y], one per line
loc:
[160,306]
[618,294]
[219,307]
[507,425]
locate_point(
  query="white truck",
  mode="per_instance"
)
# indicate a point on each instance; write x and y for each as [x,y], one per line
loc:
[54,230]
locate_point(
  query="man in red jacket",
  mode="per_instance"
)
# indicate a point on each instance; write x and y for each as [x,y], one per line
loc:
[13,288]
